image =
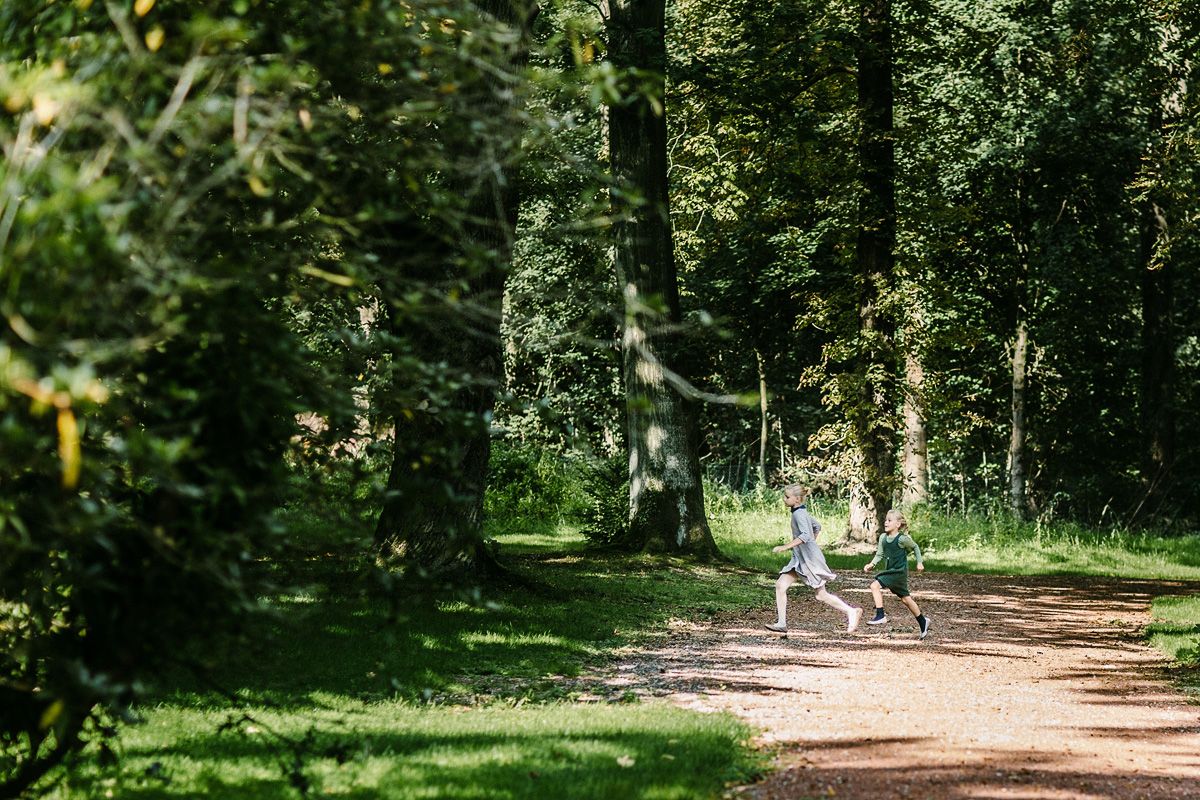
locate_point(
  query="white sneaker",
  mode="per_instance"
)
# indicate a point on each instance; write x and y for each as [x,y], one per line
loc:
[879,621]
[852,622]
[925,627]
[775,626]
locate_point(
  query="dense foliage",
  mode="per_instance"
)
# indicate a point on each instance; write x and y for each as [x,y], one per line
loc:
[260,253]
[207,214]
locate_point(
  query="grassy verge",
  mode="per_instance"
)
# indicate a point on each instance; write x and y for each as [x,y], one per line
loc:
[1175,630]
[459,698]
[986,545]
[353,749]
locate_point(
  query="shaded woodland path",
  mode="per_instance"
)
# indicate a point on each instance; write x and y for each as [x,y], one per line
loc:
[1025,688]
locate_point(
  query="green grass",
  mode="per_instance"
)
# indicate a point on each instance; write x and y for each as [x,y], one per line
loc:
[470,696]
[396,750]
[541,537]
[1175,630]
[459,697]
[988,545]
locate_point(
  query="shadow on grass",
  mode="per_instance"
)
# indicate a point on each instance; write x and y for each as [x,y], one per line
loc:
[559,751]
[334,640]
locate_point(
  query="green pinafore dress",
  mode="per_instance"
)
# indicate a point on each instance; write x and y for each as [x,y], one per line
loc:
[895,572]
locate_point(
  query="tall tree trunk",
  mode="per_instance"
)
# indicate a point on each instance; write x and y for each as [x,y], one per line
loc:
[666,498]
[436,525]
[762,413]
[871,416]
[916,451]
[1016,443]
[1018,495]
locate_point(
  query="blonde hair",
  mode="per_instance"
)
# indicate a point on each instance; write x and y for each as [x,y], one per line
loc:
[900,516]
[796,490]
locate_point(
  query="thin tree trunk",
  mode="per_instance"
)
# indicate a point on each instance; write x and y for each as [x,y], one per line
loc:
[762,410]
[666,497]
[432,514]
[916,451]
[1016,444]
[1018,490]
[871,418]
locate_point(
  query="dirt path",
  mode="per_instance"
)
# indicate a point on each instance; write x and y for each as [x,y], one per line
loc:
[1025,688]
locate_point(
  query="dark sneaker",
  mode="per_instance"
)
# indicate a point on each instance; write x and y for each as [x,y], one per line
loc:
[775,626]
[879,621]
[924,627]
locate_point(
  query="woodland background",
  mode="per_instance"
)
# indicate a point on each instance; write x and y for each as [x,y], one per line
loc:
[374,284]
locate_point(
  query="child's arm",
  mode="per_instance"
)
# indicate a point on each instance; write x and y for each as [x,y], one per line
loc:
[908,544]
[878,557]
[800,522]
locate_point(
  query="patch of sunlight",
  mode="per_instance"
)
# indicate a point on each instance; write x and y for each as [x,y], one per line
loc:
[562,536]
[299,598]
[460,607]
[429,642]
[511,638]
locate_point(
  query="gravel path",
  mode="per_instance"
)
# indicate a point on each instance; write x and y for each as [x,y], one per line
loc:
[1025,688]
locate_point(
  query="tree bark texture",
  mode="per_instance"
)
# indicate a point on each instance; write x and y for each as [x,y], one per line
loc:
[1016,442]
[433,510]
[916,448]
[1018,490]
[762,412]
[872,411]
[666,497]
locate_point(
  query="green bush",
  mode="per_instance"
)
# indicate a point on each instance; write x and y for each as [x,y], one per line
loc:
[719,498]
[148,400]
[606,519]
[529,483]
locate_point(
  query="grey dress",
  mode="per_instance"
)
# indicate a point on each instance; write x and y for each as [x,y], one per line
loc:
[807,559]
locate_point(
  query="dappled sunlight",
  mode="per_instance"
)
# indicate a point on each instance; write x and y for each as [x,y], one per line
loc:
[400,750]
[1026,687]
[918,767]
[470,639]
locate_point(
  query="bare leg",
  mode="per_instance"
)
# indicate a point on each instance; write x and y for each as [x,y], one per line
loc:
[781,586]
[877,596]
[877,593]
[912,605]
[831,599]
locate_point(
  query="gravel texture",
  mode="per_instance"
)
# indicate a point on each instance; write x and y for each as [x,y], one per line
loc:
[1025,688]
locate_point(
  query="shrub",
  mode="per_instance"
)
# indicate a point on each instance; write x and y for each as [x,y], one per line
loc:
[530,483]
[606,518]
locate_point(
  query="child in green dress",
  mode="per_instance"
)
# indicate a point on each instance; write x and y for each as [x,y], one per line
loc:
[894,546]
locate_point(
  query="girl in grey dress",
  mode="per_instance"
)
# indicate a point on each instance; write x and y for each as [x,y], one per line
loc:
[807,563]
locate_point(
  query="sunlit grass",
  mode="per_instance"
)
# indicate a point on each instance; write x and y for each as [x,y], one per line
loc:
[974,544]
[348,748]
[517,537]
[1175,630]
[458,698]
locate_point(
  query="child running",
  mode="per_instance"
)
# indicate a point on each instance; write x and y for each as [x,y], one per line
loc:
[807,564]
[894,546]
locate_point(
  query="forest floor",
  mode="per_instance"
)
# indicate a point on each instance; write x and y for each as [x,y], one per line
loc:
[1031,687]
